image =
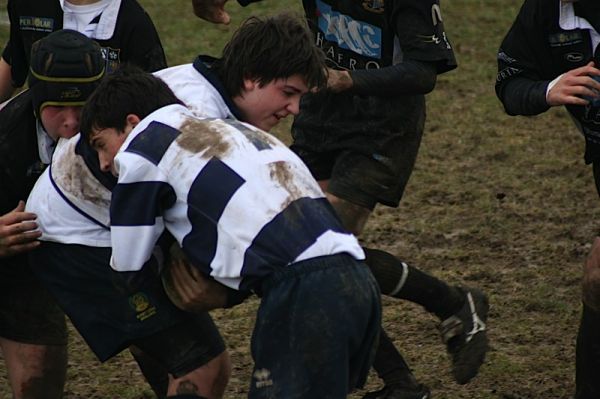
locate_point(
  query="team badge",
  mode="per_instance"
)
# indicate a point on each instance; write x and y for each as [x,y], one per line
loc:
[140,303]
[375,6]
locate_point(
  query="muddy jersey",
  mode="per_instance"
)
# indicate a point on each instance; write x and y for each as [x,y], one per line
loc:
[124,31]
[547,39]
[72,198]
[371,34]
[237,200]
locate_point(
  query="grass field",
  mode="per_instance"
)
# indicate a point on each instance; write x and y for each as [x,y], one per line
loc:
[502,203]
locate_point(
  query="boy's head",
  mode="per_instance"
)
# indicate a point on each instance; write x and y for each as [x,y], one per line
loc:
[267,65]
[66,66]
[116,107]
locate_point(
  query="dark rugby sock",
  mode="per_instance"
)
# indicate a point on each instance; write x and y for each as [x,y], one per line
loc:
[400,280]
[390,365]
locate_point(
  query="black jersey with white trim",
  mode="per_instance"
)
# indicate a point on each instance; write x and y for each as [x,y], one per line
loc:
[134,40]
[537,49]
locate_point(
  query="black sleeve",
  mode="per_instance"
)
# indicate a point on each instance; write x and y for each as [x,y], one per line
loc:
[409,77]
[419,27]
[520,84]
[14,51]
[143,47]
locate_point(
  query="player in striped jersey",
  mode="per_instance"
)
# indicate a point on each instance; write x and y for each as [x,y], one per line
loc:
[247,213]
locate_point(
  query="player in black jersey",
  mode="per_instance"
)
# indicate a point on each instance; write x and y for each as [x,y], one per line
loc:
[550,57]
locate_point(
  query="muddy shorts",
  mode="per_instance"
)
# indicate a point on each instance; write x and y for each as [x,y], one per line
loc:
[316,330]
[111,314]
[376,171]
[28,313]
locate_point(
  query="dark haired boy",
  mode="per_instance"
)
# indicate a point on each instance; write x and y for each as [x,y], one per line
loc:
[75,226]
[247,213]
[264,69]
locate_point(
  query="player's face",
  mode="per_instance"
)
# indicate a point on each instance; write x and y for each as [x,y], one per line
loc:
[265,106]
[107,142]
[60,122]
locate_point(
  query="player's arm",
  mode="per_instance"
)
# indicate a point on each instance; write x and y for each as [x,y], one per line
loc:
[191,290]
[6,85]
[18,231]
[409,77]
[523,84]
[426,53]
[214,10]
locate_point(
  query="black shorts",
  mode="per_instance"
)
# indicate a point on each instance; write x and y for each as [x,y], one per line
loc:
[365,163]
[28,313]
[316,330]
[111,315]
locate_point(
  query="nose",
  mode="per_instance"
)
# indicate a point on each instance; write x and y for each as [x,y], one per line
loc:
[71,117]
[105,162]
[294,106]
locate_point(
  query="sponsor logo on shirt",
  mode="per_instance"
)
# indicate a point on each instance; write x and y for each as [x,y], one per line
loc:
[566,38]
[36,24]
[574,57]
[357,36]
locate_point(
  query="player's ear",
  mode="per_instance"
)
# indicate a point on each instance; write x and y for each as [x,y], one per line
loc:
[250,84]
[131,122]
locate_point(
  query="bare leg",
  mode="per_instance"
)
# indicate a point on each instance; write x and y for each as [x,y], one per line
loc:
[35,371]
[208,381]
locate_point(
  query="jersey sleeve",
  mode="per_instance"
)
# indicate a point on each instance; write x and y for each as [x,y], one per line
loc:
[14,52]
[144,48]
[520,84]
[136,211]
[420,30]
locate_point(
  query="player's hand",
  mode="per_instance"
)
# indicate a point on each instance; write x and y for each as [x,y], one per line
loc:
[591,277]
[188,288]
[574,86]
[211,11]
[18,231]
[338,81]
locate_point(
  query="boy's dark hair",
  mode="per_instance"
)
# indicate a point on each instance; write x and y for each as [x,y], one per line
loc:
[127,91]
[271,48]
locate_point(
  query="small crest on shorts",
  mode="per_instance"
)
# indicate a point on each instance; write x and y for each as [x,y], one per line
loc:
[263,378]
[376,6]
[140,303]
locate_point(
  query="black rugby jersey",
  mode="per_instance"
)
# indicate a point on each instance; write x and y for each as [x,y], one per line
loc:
[535,51]
[134,39]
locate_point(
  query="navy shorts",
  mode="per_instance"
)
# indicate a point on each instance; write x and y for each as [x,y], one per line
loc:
[316,330]
[28,313]
[111,315]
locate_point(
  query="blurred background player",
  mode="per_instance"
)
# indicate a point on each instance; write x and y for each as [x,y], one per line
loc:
[550,58]
[121,27]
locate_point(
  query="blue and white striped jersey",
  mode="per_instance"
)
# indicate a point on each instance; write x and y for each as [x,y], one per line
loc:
[237,200]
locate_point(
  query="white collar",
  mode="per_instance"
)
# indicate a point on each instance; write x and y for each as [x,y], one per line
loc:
[46,145]
[108,20]
[568,21]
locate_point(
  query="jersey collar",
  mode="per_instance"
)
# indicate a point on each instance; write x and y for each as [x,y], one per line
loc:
[108,20]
